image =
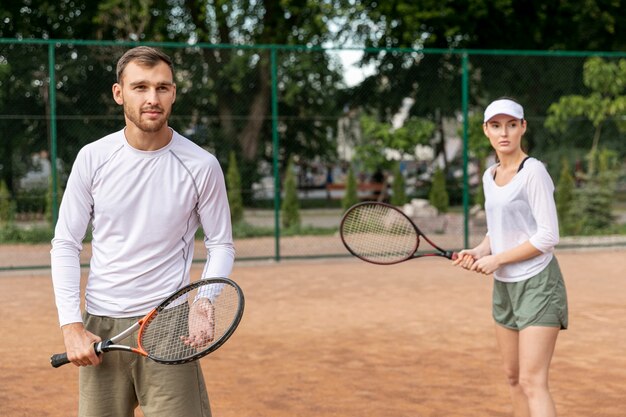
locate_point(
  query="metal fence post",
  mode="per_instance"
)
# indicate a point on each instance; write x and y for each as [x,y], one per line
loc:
[465,106]
[275,153]
[53,133]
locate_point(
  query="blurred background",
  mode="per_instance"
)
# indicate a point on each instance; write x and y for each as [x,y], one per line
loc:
[311,107]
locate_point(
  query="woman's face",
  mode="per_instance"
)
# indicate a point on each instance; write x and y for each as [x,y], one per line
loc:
[505,133]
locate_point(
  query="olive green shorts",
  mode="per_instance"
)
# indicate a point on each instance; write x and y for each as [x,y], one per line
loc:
[537,301]
[126,380]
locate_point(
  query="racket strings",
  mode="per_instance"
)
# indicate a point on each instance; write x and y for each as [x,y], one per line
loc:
[191,324]
[379,234]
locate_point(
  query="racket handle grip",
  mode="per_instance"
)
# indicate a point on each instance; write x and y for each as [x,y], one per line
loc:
[454,256]
[59,359]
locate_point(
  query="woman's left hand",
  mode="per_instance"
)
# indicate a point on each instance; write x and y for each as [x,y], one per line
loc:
[486,265]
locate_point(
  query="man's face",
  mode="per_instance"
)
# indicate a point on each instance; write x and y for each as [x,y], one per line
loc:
[147,95]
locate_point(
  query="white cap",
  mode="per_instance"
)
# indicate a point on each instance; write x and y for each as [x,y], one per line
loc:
[504,106]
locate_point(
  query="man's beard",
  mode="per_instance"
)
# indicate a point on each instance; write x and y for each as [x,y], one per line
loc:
[149,126]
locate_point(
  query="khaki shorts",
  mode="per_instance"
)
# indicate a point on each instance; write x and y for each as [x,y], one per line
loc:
[125,380]
[537,301]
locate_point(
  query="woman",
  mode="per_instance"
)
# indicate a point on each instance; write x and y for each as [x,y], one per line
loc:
[529,297]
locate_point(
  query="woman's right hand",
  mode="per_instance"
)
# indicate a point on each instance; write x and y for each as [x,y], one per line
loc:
[466,258]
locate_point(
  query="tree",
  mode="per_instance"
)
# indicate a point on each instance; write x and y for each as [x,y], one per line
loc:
[438,195]
[350,197]
[378,137]
[398,196]
[290,206]
[229,105]
[433,79]
[48,214]
[140,20]
[564,197]
[43,19]
[27,88]
[593,202]
[480,148]
[486,24]
[606,101]
[233,182]
[7,206]
[292,22]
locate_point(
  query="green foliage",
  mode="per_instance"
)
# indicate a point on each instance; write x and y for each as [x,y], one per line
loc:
[233,85]
[606,101]
[290,206]
[414,131]
[351,196]
[215,81]
[470,24]
[7,206]
[32,200]
[145,20]
[233,183]
[479,193]
[14,234]
[593,203]
[375,137]
[603,165]
[478,144]
[564,197]
[245,230]
[479,148]
[50,200]
[378,136]
[398,196]
[438,195]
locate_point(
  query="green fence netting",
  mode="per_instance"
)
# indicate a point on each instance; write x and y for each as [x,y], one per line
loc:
[384,115]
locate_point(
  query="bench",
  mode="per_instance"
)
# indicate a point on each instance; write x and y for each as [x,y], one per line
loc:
[365,191]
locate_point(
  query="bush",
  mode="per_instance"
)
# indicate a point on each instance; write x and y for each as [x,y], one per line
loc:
[564,197]
[233,183]
[242,230]
[7,206]
[398,196]
[13,234]
[593,203]
[438,196]
[48,214]
[32,200]
[590,205]
[351,196]
[290,206]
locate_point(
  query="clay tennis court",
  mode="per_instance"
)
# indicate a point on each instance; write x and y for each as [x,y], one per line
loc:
[345,338]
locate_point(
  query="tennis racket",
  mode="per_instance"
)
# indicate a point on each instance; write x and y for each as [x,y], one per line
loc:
[382,234]
[187,325]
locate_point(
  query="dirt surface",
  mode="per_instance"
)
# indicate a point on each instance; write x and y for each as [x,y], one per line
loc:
[345,338]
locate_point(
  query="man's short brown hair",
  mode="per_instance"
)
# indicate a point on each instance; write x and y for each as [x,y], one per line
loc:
[145,56]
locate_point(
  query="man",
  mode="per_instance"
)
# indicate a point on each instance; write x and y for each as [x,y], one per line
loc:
[145,190]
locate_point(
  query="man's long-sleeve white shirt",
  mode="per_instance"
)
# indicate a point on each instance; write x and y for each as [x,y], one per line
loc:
[144,208]
[522,210]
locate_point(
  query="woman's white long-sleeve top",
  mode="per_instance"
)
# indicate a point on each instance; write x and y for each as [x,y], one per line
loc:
[522,210]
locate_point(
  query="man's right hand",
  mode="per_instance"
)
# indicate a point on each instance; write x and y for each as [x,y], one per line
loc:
[79,344]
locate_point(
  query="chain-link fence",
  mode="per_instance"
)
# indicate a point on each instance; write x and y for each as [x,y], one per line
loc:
[393,116]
